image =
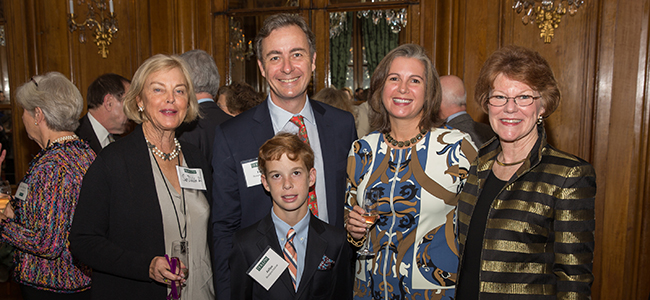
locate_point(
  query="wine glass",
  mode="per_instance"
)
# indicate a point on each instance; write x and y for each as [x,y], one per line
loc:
[181,250]
[5,194]
[371,215]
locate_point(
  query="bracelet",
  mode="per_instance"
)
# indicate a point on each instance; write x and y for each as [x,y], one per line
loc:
[354,242]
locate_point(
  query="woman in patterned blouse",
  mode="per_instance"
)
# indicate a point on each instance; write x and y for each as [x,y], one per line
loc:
[414,171]
[36,223]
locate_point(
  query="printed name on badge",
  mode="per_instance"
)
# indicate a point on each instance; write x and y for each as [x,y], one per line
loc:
[251,172]
[267,268]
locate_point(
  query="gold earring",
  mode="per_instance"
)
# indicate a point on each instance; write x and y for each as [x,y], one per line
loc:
[140,109]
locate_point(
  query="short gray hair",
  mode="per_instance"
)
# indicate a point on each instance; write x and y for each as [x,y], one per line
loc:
[56,96]
[203,70]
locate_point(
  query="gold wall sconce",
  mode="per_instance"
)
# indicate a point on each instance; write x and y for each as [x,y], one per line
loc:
[104,26]
[547,14]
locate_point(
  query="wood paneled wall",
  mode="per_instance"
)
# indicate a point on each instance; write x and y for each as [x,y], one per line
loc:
[600,58]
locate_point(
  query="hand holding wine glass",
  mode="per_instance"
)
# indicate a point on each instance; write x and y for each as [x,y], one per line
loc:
[370,216]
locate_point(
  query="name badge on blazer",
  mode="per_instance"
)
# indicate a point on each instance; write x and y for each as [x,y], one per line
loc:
[251,172]
[22,191]
[191,178]
[267,268]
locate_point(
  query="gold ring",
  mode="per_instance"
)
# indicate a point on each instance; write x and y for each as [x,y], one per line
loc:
[165,280]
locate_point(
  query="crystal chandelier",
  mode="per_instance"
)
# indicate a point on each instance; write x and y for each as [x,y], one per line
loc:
[547,14]
[105,26]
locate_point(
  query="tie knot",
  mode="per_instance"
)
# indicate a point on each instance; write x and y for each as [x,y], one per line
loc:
[298,120]
[290,235]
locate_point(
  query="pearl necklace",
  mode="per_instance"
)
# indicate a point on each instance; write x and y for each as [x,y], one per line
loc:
[65,138]
[407,143]
[165,156]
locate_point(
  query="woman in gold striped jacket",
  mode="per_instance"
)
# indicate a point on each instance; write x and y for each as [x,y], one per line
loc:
[526,214]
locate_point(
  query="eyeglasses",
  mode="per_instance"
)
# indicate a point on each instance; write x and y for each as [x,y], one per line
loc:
[521,100]
[34,81]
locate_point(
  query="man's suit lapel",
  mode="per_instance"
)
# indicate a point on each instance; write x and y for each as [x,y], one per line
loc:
[328,138]
[316,247]
[267,230]
[261,129]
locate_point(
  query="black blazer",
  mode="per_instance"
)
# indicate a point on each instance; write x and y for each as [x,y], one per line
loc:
[86,132]
[324,282]
[117,228]
[200,132]
[479,132]
[236,205]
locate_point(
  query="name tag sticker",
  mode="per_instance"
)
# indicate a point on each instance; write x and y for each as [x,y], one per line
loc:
[191,178]
[267,268]
[251,172]
[22,191]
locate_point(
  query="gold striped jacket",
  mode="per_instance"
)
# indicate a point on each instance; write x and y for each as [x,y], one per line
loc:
[539,237]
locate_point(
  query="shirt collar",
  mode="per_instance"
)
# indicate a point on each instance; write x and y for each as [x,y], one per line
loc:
[455,115]
[280,117]
[202,100]
[100,130]
[281,227]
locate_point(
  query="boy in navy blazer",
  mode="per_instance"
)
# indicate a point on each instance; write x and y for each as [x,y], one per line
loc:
[318,254]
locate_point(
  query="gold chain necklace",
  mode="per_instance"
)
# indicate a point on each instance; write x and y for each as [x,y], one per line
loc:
[508,164]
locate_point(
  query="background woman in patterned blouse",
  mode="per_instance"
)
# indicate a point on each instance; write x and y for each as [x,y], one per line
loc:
[526,214]
[37,222]
[415,184]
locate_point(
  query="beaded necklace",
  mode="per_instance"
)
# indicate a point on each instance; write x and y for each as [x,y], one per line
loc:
[164,156]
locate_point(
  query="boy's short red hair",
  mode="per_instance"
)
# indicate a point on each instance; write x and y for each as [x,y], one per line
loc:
[285,143]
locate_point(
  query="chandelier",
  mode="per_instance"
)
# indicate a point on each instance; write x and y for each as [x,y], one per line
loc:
[547,14]
[105,26]
[239,47]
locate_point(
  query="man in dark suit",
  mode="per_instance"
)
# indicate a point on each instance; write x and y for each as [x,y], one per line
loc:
[105,119]
[317,253]
[206,80]
[453,109]
[285,50]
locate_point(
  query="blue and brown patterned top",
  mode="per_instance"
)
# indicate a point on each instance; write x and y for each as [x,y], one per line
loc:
[416,189]
[40,229]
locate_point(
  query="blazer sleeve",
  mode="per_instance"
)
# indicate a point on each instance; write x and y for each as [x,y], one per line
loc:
[226,212]
[89,233]
[574,226]
[241,285]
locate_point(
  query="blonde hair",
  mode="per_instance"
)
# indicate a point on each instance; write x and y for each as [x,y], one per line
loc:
[154,64]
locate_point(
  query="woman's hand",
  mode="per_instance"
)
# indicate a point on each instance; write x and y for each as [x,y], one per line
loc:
[9,211]
[159,271]
[356,224]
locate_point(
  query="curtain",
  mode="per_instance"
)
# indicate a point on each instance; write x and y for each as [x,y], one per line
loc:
[340,54]
[378,41]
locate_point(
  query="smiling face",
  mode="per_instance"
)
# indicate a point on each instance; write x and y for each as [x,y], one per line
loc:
[288,182]
[164,99]
[404,90]
[513,123]
[287,65]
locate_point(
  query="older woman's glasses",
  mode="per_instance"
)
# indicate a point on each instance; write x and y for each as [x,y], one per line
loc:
[521,100]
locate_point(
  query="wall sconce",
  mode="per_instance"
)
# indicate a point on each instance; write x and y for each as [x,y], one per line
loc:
[547,14]
[239,47]
[105,27]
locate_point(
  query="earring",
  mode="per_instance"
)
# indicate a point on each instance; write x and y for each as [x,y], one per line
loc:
[36,123]
[540,119]
[140,109]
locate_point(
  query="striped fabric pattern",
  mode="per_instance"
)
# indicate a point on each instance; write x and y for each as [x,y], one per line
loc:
[291,256]
[40,230]
[539,237]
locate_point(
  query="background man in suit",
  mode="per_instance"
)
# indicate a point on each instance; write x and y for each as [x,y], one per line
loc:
[206,80]
[317,253]
[453,108]
[105,118]
[286,53]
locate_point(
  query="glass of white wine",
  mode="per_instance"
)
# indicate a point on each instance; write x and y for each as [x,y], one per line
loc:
[371,215]
[5,194]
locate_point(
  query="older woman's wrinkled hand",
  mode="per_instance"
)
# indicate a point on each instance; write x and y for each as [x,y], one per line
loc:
[159,270]
[356,224]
